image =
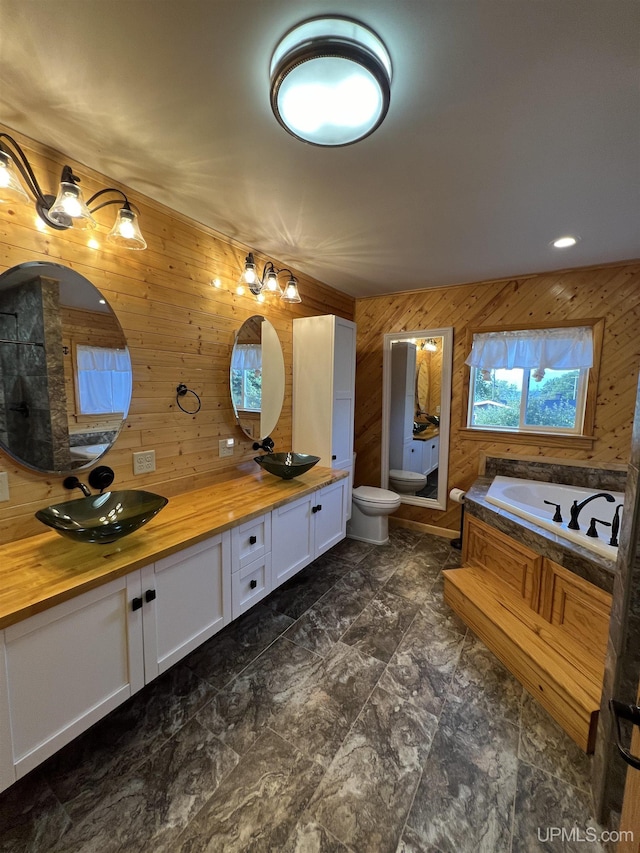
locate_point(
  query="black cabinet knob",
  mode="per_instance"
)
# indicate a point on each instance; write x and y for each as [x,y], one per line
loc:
[253,540]
[253,584]
[150,595]
[334,457]
[136,604]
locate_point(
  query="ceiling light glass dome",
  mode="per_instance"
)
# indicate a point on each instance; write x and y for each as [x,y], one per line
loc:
[330,81]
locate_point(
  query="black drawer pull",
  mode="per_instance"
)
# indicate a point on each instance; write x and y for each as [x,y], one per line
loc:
[150,595]
[319,507]
[136,604]
[253,540]
[253,584]
[632,714]
[334,457]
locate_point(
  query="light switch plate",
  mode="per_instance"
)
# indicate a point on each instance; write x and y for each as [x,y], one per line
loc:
[4,486]
[225,446]
[144,462]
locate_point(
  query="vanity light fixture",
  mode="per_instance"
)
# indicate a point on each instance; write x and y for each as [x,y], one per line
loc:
[330,81]
[429,345]
[267,283]
[68,208]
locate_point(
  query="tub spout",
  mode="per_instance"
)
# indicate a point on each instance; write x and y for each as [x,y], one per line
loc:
[577,507]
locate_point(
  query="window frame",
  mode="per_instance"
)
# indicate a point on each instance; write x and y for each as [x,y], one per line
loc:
[532,435]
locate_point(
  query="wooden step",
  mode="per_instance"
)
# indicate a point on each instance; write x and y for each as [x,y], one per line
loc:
[565,678]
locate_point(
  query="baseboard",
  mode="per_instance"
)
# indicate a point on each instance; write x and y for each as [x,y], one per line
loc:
[424,528]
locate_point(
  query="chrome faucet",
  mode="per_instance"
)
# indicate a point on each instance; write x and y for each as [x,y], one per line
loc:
[574,511]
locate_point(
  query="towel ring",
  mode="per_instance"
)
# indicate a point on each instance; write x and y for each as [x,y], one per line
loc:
[181,391]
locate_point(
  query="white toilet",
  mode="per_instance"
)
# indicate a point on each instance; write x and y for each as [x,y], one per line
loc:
[370,511]
[407,482]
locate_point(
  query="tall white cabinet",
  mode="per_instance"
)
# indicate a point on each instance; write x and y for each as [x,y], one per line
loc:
[324,379]
[402,451]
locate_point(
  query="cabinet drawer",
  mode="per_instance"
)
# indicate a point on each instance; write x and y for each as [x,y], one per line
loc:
[578,607]
[511,563]
[250,540]
[250,584]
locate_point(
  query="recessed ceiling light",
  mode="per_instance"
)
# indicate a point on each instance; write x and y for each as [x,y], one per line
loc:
[330,81]
[565,242]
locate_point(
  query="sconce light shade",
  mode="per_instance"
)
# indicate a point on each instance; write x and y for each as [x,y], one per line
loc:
[330,81]
[69,208]
[126,231]
[10,187]
[290,292]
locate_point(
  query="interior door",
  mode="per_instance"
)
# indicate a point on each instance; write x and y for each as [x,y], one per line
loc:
[630,817]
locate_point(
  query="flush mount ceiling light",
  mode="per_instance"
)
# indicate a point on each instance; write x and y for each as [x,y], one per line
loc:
[267,283]
[565,242]
[330,81]
[68,208]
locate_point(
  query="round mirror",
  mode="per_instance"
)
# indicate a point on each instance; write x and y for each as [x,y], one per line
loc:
[65,371]
[257,377]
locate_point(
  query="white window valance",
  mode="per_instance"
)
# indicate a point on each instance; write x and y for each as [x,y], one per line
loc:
[247,357]
[551,349]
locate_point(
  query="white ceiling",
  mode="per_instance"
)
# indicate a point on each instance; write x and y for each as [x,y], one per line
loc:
[512,122]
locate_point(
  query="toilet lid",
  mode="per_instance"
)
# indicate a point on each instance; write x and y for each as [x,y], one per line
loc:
[405,475]
[372,495]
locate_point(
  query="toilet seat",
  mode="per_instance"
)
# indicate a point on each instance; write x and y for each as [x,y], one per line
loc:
[373,495]
[406,476]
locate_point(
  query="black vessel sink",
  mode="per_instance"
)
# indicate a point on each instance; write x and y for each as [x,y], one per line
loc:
[287,465]
[102,518]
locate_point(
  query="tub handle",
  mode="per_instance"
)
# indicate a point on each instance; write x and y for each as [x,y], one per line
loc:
[556,515]
[592,527]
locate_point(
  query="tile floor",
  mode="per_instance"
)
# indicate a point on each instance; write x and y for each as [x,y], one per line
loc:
[349,711]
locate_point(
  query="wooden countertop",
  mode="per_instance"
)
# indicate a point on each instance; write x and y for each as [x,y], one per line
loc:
[427,434]
[41,571]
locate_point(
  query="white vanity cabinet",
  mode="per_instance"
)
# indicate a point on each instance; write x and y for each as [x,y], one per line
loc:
[65,668]
[324,379]
[307,527]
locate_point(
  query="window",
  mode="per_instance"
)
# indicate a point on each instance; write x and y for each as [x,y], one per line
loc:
[530,380]
[103,380]
[246,377]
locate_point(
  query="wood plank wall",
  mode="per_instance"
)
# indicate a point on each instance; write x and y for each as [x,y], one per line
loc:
[178,327]
[611,292]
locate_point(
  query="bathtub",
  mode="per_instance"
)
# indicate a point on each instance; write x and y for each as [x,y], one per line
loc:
[525,498]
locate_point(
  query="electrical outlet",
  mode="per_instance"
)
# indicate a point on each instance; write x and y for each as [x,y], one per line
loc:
[144,462]
[4,486]
[225,446]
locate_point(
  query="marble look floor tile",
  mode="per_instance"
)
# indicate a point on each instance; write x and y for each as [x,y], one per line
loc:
[128,735]
[435,547]
[414,578]
[422,666]
[258,805]
[453,559]
[318,715]
[482,679]
[309,837]
[351,551]
[546,804]
[304,589]
[364,798]
[548,747]
[465,798]
[239,713]
[31,817]
[381,626]
[411,842]
[320,627]
[146,809]
[227,653]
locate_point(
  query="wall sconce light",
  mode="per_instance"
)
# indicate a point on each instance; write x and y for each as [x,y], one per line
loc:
[267,283]
[429,345]
[68,208]
[330,81]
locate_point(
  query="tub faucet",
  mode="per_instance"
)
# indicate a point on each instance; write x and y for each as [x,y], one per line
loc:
[577,507]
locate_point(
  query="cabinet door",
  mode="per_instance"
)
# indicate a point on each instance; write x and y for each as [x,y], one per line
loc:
[187,599]
[69,666]
[580,608]
[330,518]
[291,538]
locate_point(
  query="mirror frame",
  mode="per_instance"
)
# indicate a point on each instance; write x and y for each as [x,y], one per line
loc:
[445,413]
[29,270]
[276,373]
